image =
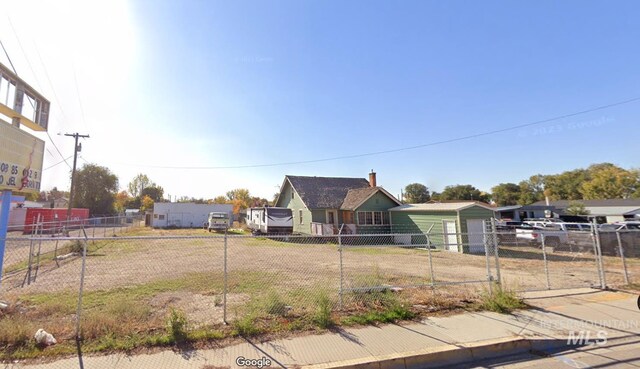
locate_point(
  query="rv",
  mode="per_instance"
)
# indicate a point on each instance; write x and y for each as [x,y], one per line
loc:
[218,221]
[270,220]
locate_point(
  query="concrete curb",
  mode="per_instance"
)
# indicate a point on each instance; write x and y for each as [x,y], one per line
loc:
[447,355]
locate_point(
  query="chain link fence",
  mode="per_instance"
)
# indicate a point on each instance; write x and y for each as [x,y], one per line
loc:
[136,287]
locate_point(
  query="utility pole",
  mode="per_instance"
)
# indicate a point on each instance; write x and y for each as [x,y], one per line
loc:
[76,149]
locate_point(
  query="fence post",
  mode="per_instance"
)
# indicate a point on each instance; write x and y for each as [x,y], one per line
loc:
[546,264]
[80,292]
[340,293]
[598,250]
[494,231]
[433,279]
[224,292]
[624,261]
[488,258]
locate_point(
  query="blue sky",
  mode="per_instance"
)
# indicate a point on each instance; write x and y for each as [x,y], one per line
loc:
[219,84]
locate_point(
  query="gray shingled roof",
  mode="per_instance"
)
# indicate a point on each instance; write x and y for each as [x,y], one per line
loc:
[356,196]
[325,192]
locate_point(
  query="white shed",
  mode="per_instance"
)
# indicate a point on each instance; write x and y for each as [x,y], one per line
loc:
[185,214]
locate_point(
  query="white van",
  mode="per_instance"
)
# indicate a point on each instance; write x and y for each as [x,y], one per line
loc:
[219,221]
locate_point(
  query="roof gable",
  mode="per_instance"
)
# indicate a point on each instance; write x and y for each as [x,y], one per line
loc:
[356,197]
[325,192]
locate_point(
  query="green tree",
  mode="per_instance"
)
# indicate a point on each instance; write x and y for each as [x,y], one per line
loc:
[138,183]
[609,182]
[95,189]
[240,198]
[219,200]
[463,192]
[147,203]
[416,193]
[122,198]
[154,191]
[505,194]
[566,185]
[576,208]
[531,190]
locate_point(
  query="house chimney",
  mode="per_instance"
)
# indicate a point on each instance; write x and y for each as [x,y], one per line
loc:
[372,178]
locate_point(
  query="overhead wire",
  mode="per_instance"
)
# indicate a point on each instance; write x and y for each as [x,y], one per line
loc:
[406,148]
[36,78]
[60,162]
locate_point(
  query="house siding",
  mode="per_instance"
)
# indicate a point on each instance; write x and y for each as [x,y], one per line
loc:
[421,221]
[296,205]
[378,202]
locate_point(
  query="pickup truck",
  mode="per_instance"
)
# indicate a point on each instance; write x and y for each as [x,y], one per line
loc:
[555,234]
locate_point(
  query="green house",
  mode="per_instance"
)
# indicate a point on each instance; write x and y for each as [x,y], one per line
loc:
[321,205]
[454,226]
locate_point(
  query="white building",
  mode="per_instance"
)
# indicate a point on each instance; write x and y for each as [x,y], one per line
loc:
[185,214]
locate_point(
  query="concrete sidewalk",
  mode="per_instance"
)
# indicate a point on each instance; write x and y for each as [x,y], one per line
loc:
[431,342]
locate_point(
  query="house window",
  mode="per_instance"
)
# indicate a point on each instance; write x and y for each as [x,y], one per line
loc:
[155,216]
[373,218]
[292,193]
[300,213]
[377,217]
[161,216]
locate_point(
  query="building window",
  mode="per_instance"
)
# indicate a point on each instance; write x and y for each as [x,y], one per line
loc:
[155,216]
[292,193]
[373,218]
[161,216]
[300,213]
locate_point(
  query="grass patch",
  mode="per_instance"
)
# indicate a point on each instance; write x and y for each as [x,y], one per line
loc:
[373,317]
[246,326]
[322,315]
[177,326]
[503,300]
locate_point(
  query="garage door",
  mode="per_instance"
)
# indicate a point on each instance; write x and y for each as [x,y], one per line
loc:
[475,229]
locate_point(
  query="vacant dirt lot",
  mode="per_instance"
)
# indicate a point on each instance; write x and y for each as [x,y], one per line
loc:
[297,264]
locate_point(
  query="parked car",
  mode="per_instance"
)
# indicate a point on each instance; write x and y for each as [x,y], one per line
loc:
[625,233]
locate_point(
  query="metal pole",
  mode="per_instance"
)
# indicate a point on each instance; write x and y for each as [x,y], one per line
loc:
[494,232]
[546,264]
[4,225]
[603,281]
[224,293]
[624,261]
[433,279]
[488,259]
[80,292]
[341,270]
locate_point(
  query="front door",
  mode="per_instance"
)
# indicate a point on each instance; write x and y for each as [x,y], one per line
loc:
[331,217]
[450,236]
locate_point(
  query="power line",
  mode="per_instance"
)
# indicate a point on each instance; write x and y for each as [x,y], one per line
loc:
[58,150]
[53,89]
[60,162]
[8,57]
[29,63]
[407,148]
[75,79]
[35,76]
